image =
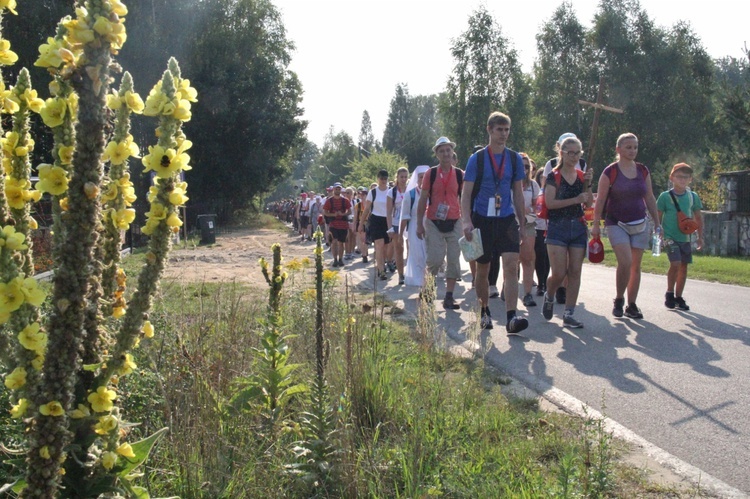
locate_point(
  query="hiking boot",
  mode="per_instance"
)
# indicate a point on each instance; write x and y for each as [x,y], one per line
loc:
[485,322]
[669,301]
[617,310]
[680,302]
[528,300]
[493,292]
[450,304]
[571,322]
[548,307]
[516,325]
[561,295]
[633,312]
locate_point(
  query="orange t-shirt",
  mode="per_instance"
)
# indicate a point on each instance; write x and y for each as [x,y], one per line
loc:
[445,190]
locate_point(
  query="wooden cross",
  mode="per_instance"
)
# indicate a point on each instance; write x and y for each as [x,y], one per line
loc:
[598,106]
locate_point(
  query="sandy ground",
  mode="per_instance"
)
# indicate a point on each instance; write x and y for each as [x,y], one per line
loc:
[234,257]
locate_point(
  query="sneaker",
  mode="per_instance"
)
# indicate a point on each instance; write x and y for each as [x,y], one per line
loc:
[493,292]
[391,267]
[669,300]
[617,309]
[680,302]
[516,325]
[528,300]
[341,262]
[633,312]
[560,295]
[571,322]
[540,290]
[364,259]
[450,304]
[548,307]
[400,280]
[382,276]
[335,263]
[348,256]
[485,322]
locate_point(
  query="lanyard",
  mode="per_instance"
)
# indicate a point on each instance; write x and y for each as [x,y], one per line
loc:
[497,172]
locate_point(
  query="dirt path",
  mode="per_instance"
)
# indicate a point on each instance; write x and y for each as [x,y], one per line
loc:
[234,257]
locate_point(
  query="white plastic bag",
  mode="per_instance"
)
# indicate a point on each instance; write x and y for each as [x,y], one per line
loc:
[472,249]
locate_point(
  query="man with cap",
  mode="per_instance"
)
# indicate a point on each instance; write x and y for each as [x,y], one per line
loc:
[498,211]
[552,163]
[337,208]
[439,217]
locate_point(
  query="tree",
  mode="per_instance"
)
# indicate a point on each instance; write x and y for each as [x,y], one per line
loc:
[410,129]
[561,77]
[338,150]
[364,171]
[486,77]
[366,140]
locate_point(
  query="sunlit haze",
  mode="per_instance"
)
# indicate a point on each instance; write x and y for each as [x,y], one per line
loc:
[351,54]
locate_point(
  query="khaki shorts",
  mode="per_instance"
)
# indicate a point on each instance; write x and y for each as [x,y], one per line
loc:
[440,245]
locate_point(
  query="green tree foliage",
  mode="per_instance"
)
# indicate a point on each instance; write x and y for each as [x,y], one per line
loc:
[338,150]
[561,77]
[486,77]
[733,117]
[365,170]
[366,140]
[661,77]
[410,128]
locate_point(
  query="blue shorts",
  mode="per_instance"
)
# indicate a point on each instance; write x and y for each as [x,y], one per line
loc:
[678,252]
[568,233]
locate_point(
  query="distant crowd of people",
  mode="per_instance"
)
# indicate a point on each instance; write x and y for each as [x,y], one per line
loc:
[530,219]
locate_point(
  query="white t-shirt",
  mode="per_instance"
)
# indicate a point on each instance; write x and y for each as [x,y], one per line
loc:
[380,203]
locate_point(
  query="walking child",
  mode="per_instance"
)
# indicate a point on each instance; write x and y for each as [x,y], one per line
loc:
[677,232]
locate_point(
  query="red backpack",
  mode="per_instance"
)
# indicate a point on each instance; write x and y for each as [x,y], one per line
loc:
[541,203]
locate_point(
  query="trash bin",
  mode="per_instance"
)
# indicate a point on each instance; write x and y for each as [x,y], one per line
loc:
[207,225]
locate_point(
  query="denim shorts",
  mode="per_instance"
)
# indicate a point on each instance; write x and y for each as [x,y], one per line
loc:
[568,233]
[678,252]
[617,236]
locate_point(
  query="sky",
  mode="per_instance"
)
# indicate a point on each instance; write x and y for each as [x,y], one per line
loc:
[351,54]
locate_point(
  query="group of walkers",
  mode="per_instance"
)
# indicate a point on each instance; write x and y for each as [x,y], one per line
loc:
[531,220]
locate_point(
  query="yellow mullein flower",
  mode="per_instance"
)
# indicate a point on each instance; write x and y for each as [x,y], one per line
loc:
[155,102]
[11,239]
[53,112]
[53,408]
[10,141]
[153,193]
[78,31]
[16,379]
[19,410]
[128,365]
[105,425]
[177,197]
[38,362]
[33,225]
[150,227]
[114,102]
[101,400]
[147,329]
[7,56]
[66,154]
[118,312]
[32,100]
[174,220]
[44,452]
[52,179]
[182,111]
[118,7]
[31,338]
[80,412]
[11,296]
[64,204]
[128,192]
[73,105]
[123,217]
[162,161]
[125,450]
[9,4]
[49,54]
[31,291]
[109,459]
[134,102]
[158,212]
[110,192]
[117,152]
[185,91]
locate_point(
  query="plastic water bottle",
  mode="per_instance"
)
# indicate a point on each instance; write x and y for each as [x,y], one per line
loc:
[656,242]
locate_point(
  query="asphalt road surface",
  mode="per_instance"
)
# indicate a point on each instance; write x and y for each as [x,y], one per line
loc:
[680,380]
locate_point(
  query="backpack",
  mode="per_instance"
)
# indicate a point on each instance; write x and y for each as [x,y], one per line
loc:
[613,173]
[581,163]
[541,202]
[480,172]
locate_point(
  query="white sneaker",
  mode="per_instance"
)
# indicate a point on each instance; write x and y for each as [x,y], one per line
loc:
[494,292]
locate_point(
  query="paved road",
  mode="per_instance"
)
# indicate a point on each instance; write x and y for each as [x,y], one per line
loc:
[680,380]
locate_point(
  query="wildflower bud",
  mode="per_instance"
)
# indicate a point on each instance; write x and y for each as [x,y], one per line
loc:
[91,190]
[63,304]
